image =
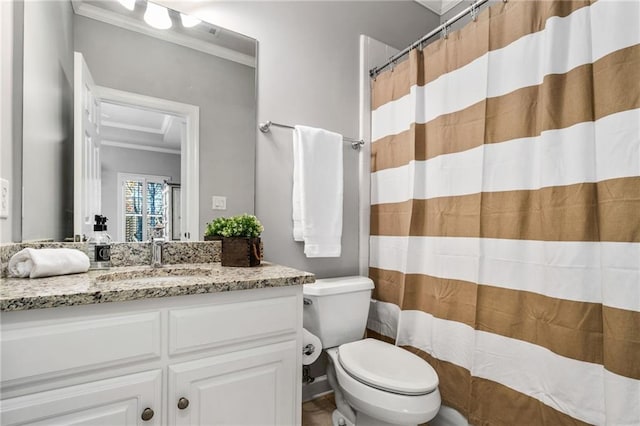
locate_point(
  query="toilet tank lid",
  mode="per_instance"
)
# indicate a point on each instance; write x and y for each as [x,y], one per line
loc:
[326,286]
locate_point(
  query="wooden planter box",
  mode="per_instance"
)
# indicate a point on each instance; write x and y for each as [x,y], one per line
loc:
[239,251]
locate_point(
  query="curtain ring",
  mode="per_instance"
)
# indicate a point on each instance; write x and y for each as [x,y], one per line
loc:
[474,12]
[445,32]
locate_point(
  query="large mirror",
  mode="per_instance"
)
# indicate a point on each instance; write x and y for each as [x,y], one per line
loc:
[135,112]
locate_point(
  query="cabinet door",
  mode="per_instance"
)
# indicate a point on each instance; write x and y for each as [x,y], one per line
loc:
[250,387]
[117,401]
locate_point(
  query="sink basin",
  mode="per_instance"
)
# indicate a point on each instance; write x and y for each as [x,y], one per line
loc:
[163,273]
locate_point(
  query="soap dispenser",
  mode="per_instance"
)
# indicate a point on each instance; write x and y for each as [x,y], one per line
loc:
[100,245]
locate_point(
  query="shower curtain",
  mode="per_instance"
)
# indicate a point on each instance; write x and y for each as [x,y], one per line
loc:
[505,216]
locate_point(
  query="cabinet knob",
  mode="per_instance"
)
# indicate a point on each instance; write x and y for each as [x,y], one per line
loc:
[183,403]
[147,414]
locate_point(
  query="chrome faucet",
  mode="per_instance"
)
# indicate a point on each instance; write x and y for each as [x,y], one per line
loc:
[156,245]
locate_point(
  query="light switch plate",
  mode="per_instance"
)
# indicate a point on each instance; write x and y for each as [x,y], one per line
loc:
[219,203]
[4,199]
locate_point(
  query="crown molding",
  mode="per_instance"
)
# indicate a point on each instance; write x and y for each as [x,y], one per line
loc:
[439,6]
[140,147]
[133,127]
[93,12]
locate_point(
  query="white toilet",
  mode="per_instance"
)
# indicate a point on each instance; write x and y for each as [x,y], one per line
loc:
[375,383]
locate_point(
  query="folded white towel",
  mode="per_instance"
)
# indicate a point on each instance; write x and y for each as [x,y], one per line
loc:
[37,263]
[297,183]
[317,191]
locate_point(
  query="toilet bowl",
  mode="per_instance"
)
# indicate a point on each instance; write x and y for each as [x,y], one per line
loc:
[391,406]
[374,382]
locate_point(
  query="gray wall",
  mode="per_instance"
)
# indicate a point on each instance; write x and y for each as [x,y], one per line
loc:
[47,149]
[224,91]
[114,160]
[6,105]
[308,74]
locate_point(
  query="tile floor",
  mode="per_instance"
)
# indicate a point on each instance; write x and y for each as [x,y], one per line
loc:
[317,412]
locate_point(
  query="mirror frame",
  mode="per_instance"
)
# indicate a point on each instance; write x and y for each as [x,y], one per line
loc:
[194,200]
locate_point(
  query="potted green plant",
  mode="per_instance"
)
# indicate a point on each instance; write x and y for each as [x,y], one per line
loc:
[241,241]
[214,229]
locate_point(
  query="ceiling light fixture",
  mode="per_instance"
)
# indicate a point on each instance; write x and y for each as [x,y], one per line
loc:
[189,21]
[157,16]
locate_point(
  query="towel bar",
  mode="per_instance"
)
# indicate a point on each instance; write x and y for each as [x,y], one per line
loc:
[264,128]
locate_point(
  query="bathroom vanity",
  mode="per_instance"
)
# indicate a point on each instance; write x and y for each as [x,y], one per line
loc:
[184,345]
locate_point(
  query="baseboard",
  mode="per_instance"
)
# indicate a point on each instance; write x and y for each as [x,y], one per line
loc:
[318,388]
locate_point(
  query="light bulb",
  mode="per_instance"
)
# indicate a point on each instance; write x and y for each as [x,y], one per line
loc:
[128,4]
[189,21]
[157,16]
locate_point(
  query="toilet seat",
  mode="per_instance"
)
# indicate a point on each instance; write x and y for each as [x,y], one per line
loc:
[385,406]
[387,367]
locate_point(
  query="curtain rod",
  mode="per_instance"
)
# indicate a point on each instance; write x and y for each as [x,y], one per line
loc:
[264,128]
[473,9]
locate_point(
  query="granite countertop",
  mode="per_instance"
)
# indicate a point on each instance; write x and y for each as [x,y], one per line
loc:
[142,282]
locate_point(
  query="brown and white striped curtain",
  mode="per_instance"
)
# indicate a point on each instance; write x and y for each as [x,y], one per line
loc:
[505,217]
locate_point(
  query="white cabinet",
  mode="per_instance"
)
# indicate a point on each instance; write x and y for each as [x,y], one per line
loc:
[253,387]
[117,401]
[213,359]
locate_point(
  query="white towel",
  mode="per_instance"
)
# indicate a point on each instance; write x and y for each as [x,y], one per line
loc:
[317,191]
[37,263]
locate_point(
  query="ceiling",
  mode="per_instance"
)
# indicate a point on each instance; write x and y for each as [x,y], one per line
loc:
[439,6]
[135,128]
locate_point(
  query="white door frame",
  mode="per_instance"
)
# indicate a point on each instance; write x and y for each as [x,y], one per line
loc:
[189,155]
[86,149]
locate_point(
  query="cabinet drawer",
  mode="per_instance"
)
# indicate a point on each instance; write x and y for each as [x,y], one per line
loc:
[217,325]
[41,350]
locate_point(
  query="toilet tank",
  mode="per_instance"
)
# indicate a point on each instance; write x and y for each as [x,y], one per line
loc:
[336,309]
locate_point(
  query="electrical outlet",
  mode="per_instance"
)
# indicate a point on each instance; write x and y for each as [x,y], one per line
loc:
[4,199]
[219,203]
